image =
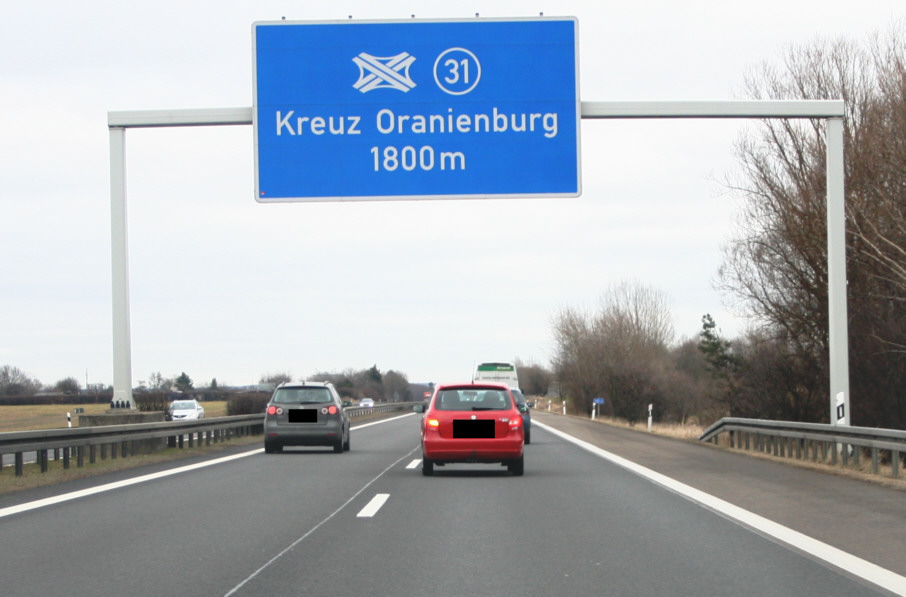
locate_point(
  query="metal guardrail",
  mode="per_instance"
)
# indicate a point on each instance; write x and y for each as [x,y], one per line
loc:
[380,407]
[123,440]
[834,444]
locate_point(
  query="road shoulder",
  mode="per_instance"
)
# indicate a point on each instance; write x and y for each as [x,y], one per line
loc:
[863,519]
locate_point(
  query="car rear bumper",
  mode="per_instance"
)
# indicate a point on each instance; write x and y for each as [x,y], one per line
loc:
[303,434]
[451,450]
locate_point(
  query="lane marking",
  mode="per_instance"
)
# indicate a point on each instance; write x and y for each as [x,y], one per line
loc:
[9,511]
[59,499]
[267,564]
[414,464]
[846,562]
[373,506]
[364,425]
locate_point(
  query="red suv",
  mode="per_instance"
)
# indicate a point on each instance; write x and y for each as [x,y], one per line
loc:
[472,423]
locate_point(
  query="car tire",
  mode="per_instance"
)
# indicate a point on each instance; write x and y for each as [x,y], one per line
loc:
[338,447]
[272,448]
[528,437]
[517,467]
[348,439]
[427,467]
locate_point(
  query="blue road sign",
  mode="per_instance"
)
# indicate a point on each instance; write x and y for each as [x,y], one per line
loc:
[416,109]
[598,400]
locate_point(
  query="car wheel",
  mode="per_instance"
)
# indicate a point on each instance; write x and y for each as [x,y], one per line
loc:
[517,467]
[427,467]
[338,447]
[272,448]
[528,437]
[346,443]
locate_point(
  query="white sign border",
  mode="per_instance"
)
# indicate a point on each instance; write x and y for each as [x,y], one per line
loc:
[444,197]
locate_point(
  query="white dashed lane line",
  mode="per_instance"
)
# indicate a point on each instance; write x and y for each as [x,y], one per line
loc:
[414,464]
[373,506]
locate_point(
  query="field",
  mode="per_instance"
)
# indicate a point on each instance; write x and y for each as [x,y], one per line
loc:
[53,416]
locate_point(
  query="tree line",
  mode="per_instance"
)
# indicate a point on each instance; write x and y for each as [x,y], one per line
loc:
[15,382]
[388,386]
[775,266]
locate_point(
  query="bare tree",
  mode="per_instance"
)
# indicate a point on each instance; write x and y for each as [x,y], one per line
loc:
[276,378]
[396,387]
[879,224]
[777,381]
[14,382]
[578,357]
[69,385]
[534,379]
[777,264]
[158,383]
[619,353]
[692,395]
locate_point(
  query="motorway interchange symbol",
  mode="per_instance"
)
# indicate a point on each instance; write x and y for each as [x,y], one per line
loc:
[379,73]
[456,71]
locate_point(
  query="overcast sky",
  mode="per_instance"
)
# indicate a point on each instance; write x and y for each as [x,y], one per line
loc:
[224,287]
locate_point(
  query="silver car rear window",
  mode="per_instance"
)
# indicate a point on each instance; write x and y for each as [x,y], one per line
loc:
[302,396]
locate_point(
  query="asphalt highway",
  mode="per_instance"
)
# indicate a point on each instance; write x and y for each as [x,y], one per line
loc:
[311,522]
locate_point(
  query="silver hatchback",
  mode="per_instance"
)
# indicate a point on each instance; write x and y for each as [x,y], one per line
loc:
[308,413]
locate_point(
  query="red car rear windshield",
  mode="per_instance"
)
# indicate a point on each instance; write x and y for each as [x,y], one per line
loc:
[473,399]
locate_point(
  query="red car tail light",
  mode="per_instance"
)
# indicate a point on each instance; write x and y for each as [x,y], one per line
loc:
[273,410]
[332,410]
[432,423]
[515,423]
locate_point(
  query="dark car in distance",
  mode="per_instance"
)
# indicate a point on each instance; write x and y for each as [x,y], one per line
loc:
[308,413]
[523,407]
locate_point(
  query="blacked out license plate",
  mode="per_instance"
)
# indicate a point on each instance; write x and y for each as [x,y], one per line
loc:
[473,429]
[303,415]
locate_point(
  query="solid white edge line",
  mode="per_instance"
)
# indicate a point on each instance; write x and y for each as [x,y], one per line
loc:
[59,499]
[846,562]
[372,507]
[364,425]
[119,484]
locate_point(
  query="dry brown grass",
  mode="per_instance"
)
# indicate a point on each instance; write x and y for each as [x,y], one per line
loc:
[33,477]
[689,432]
[692,432]
[53,416]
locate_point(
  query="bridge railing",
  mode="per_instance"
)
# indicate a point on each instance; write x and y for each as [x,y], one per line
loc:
[835,444]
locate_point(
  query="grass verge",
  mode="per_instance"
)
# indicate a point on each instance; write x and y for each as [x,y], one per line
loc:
[32,476]
[691,433]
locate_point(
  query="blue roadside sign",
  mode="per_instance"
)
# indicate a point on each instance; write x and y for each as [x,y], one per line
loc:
[415,109]
[598,400]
